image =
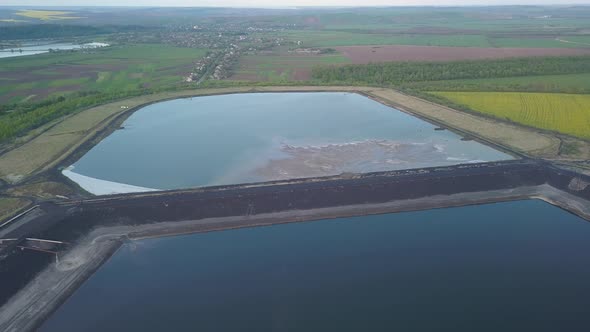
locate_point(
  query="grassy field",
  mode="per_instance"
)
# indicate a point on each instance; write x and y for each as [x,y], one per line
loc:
[584,40]
[18,163]
[524,18]
[513,137]
[523,26]
[115,68]
[431,36]
[340,38]
[564,113]
[536,42]
[567,83]
[42,190]
[9,205]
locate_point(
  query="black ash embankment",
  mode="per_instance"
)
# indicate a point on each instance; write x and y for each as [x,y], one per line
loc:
[306,194]
[568,181]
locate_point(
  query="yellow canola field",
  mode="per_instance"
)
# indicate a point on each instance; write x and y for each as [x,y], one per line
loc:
[47,15]
[564,113]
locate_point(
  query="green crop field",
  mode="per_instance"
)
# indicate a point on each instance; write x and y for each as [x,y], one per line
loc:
[114,68]
[361,36]
[566,42]
[340,38]
[567,83]
[488,19]
[578,41]
[37,89]
[564,113]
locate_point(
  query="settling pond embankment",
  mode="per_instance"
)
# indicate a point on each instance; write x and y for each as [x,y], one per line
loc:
[115,218]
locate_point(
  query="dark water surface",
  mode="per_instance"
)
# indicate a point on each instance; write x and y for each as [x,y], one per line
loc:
[517,266]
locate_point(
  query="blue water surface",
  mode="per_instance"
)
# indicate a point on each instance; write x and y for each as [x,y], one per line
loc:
[516,266]
[217,140]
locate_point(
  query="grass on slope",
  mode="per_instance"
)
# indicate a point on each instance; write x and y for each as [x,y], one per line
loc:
[10,205]
[564,113]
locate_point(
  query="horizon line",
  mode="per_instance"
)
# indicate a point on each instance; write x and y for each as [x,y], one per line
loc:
[308,6]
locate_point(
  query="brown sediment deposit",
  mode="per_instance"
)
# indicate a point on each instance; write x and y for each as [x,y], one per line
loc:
[354,157]
[391,53]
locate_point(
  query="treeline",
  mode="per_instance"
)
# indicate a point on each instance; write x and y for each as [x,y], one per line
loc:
[43,31]
[18,119]
[397,73]
[533,86]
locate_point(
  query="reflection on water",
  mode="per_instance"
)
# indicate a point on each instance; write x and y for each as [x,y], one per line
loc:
[259,137]
[517,266]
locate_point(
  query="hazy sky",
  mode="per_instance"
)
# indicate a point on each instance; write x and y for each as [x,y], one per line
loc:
[280,3]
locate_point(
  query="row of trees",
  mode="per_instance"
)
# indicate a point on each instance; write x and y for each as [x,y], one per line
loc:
[398,73]
[547,87]
[17,119]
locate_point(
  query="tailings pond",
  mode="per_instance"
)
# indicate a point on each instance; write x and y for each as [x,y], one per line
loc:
[515,266]
[241,138]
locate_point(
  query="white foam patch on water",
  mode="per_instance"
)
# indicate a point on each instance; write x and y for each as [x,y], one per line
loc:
[102,187]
